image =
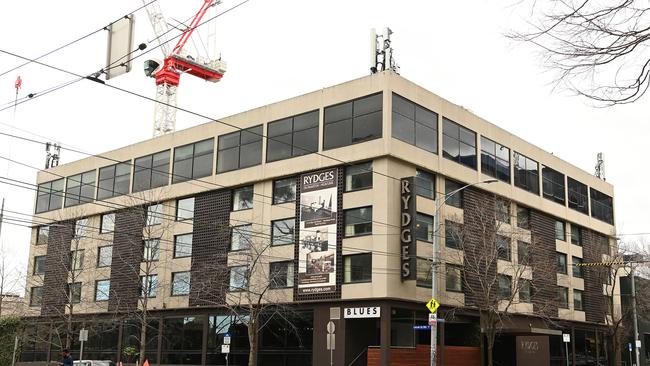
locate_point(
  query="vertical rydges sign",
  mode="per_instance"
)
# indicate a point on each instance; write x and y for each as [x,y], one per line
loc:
[407,223]
[317,239]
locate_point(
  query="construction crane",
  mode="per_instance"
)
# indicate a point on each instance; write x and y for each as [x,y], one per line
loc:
[176,62]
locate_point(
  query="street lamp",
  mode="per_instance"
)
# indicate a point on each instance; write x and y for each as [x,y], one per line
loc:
[436,225]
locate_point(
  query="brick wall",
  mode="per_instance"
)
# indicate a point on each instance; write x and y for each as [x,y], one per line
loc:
[419,356]
[593,298]
[543,260]
[57,266]
[127,256]
[210,244]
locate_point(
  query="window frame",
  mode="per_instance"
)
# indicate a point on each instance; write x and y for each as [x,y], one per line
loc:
[35,261]
[524,177]
[577,194]
[430,228]
[458,241]
[562,290]
[97,292]
[112,171]
[582,299]
[576,234]
[352,118]
[502,208]
[178,178]
[154,254]
[345,222]
[246,138]
[523,260]
[529,283]
[40,229]
[99,256]
[485,168]
[152,280]
[426,282]
[293,133]
[293,234]
[500,295]
[275,185]
[102,224]
[558,232]
[413,123]
[186,255]
[448,267]
[72,296]
[425,184]
[154,217]
[602,206]
[173,283]
[80,182]
[32,291]
[290,270]
[236,230]
[459,143]
[366,272]
[230,278]
[576,271]
[550,178]
[505,243]
[559,267]
[242,189]
[348,176]
[54,197]
[178,209]
[520,215]
[149,171]
[454,202]
[77,257]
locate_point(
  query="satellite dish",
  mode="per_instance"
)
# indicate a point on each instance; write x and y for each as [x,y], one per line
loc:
[151,67]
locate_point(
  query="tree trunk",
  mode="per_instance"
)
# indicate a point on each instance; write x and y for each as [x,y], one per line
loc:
[143,340]
[252,341]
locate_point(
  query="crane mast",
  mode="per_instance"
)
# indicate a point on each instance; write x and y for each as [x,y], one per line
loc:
[177,62]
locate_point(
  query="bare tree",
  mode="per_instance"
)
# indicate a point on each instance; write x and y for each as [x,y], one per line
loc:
[10,284]
[498,281]
[598,48]
[258,287]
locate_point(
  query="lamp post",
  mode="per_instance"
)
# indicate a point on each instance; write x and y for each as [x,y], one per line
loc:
[436,225]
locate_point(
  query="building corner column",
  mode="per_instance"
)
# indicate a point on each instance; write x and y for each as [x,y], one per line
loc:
[384,336]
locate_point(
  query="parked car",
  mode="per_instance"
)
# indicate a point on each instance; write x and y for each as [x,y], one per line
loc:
[94,363]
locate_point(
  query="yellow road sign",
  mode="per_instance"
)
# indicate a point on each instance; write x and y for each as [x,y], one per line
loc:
[433,305]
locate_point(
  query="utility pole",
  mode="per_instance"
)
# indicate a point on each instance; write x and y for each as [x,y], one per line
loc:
[2,211]
[634,317]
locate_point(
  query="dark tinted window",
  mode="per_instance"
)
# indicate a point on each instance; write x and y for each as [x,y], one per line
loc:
[601,206]
[425,184]
[495,159]
[577,196]
[553,185]
[576,234]
[240,149]
[453,233]
[193,161]
[39,265]
[505,286]
[284,190]
[357,268]
[49,196]
[424,227]
[281,275]
[358,176]
[358,221]
[151,171]
[293,136]
[504,250]
[455,199]
[526,173]
[414,124]
[114,180]
[458,143]
[80,188]
[560,230]
[561,263]
[353,122]
[523,217]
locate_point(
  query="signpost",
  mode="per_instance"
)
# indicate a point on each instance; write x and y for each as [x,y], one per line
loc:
[225,347]
[331,340]
[83,337]
[566,338]
[629,348]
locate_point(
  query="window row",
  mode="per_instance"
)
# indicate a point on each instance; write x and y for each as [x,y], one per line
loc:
[562,265]
[563,298]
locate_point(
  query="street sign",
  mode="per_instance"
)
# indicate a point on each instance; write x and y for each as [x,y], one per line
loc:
[433,305]
[566,338]
[330,327]
[83,335]
[421,327]
[432,319]
[225,348]
[226,339]
[638,343]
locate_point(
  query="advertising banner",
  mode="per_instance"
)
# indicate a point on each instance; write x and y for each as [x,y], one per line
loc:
[317,239]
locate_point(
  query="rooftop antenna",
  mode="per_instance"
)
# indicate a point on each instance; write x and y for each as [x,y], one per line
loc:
[600,166]
[381,52]
[53,152]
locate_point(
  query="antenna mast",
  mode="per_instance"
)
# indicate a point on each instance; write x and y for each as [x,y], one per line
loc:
[600,166]
[381,52]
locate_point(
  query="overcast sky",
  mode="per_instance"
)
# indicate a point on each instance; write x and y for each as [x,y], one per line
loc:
[279,49]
